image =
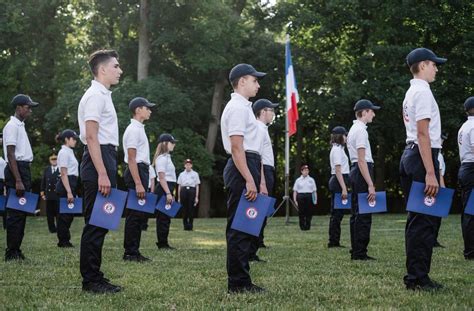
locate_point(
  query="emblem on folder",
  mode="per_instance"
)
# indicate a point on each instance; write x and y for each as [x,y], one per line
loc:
[141,202]
[251,212]
[372,203]
[109,208]
[22,201]
[429,200]
[70,205]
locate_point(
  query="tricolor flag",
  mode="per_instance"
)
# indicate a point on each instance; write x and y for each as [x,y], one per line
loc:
[292,97]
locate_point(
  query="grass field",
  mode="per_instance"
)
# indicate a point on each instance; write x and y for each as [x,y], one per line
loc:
[301,273]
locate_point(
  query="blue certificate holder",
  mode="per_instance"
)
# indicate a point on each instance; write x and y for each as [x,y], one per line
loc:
[378,206]
[26,203]
[3,202]
[146,205]
[249,216]
[107,211]
[70,208]
[470,205]
[438,206]
[271,206]
[168,209]
[339,203]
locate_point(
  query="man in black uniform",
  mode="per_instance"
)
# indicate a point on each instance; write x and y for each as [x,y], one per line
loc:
[48,192]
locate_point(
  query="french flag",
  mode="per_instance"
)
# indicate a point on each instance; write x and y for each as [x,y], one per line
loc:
[292,97]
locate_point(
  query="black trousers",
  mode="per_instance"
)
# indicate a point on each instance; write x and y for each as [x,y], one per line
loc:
[92,239]
[336,214]
[65,220]
[466,180]
[163,221]
[269,172]
[187,196]
[420,229]
[16,220]
[360,224]
[438,226]
[238,243]
[52,211]
[134,220]
[305,210]
[4,213]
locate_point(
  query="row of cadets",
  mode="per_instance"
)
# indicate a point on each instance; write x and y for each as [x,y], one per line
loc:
[136,176]
[264,111]
[240,137]
[188,193]
[338,182]
[19,155]
[304,189]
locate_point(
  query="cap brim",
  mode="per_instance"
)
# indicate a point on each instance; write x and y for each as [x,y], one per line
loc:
[33,104]
[150,105]
[258,74]
[375,107]
[274,105]
[439,60]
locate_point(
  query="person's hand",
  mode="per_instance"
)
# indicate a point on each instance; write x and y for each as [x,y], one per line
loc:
[20,188]
[263,189]
[169,198]
[344,195]
[104,184]
[432,185]
[70,197]
[196,201]
[251,194]
[140,190]
[371,195]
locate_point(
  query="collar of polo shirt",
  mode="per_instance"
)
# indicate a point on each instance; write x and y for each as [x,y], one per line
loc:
[420,82]
[470,117]
[360,123]
[240,97]
[17,121]
[138,123]
[101,87]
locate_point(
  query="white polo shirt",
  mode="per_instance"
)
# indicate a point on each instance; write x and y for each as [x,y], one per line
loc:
[14,134]
[267,150]
[163,164]
[135,138]
[3,164]
[305,185]
[67,159]
[188,179]
[96,105]
[359,138]
[466,141]
[442,164]
[238,119]
[420,104]
[337,156]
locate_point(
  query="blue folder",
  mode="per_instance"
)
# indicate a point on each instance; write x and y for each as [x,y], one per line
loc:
[26,203]
[380,203]
[271,207]
[3,201]
[249,216]
[438,206]
[107,211]
[72,208]
[339,204]
[146,205]
[470,205]
[168,209]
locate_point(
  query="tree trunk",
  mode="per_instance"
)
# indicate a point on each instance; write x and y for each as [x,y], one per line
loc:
[143,42]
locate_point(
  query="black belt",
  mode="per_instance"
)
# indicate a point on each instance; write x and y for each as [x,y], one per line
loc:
[369,164]
[107,146]
[413,145]
[188,187]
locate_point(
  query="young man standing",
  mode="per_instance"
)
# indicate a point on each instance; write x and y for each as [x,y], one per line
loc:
[48,192]
[361,176]
[240,136]
[99,133]
[303,191]
[264,111]
[188,193]
[466,176]
[19,155]
[137,157]
[419,163]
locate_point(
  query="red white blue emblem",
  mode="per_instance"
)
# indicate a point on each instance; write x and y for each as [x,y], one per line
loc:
[251,212]
[109,208]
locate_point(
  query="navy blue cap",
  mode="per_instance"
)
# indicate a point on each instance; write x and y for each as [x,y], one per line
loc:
[304,166]
[22,99]
[261,104]
[68,134]
[241,70]
[363,104]
[139,102]
[165,137]
[339,130]
[469,103]
[421,54]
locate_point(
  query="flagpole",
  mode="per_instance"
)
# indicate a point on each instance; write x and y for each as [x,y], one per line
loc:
[287,158]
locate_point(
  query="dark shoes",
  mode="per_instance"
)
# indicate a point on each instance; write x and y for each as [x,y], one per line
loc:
[257,259]
[251,289]
[102,287]
[428,286]
[14,255]
[53,230]
[65,245]
[165,246]
[437,244]
[136,258]
[262,245]
[363,258]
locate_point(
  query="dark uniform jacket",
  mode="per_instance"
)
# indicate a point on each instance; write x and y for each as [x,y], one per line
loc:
[48,183]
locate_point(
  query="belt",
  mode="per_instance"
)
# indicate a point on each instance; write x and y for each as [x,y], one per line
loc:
[413,145]
[189,187]
[108,146]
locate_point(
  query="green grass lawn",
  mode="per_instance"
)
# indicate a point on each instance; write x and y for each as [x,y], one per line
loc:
[301,273]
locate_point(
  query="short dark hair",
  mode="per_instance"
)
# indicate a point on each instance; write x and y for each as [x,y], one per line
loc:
[235,82]
[337,139]
[415,68]
[470,112]
[99,57]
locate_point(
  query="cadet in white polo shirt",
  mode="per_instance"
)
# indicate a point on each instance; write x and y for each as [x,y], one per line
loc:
[362,177]
[136,176]
[3,164]
[19,155]
[338,183]
[303,191]
[99,133]
[67,183]
[188,193]
[419,163]
[466,176]
[241,140]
